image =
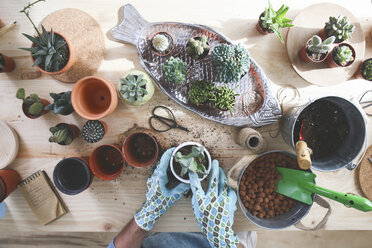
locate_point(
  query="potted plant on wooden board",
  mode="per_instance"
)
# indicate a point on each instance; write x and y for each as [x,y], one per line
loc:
[6,63]
[340,28]
[93,131]
[174,70]
[63,134]
[33,106]
[315,50]
[230,62]
[343,55]
[200,92]
[270,21]
[94,98]
[198,47]
[62,103]
[365,70]
[140,149]
[51,52]
[162,43]
[136,88]
[107,162]
[224,99]
[190,156]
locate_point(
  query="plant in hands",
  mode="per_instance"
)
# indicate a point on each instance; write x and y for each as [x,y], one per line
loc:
[274,20]
[367,70]
[339,27]
[197,47]
[224,98]
[214,209]
[200,92]
[32,102]
[158,197]
[61,134]
[174,70]
[49,50]
[192,161]
[343,55]
[62,103]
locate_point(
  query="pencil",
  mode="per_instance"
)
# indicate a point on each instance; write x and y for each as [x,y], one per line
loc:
[6,28]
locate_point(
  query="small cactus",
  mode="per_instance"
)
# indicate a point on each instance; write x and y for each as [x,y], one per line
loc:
[174,70]
[224,98]
[198,47]
[367,70]
[133,87]
[339,27]
[162,43]
[61,134]
[33,102]
[200,92]
[93,131]
[343,55]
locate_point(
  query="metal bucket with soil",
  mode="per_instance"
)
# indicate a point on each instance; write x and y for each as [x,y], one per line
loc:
[333,127]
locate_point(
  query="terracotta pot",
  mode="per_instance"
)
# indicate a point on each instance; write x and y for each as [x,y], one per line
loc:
[72,175]
[358,73]
[70,62]
[260,28]
[160,54]
[140,149]
[332,63]
[9,180]
[94,98]
[25,109]
[305,56]
[107,162]
[9,64]
[72,128]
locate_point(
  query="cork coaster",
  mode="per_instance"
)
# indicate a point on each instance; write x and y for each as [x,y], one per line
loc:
[365,174]
[9,145]
[86,37]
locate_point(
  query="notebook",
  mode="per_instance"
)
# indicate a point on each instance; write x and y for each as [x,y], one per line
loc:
[42,197]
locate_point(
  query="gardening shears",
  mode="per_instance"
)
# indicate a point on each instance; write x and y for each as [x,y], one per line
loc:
[167,122]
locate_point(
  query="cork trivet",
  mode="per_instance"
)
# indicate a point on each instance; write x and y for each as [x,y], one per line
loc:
[365,174]
[86,37]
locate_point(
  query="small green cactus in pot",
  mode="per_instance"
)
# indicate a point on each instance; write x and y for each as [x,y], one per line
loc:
[200,92]
[63,134]
[198,47]
[367,70]
[33,106]
[93,131]
[136,88]
[343,55]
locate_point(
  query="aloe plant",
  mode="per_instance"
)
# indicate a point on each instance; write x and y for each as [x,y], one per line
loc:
[192,161]
[62,103]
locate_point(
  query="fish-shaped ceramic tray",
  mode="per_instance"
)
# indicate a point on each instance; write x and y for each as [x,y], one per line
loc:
[255,106]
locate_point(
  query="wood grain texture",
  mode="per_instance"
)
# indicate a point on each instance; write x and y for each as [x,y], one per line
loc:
[107,206]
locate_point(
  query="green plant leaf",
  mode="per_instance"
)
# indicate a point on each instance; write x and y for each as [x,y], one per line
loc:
[36,108]
[37,61]
[21,93]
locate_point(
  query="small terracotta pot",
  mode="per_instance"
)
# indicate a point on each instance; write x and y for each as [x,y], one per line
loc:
[332,63]
[107,162]
[358,73]
[94,98]
[140,149]
[9,180]
[260,28]
[70,62]
[160,54]
[305,56]
[9,64]
[72,175]
[25,109]
[72,128]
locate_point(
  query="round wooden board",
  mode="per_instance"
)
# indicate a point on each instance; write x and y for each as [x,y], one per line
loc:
[86,37]
[309,22]
[9,145]
[365,174]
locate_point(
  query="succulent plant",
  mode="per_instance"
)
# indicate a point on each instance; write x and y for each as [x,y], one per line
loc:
[61,134]
[224,98]
[49,50]
[174,70]
[367,70]
[198,47]
[274,20]
[33,102]
[343,55]
[339,27]
[133,87]
[192,161]
[93,131]
[62,103]
[317,46]
[230,62]
[200,92]
[162,42]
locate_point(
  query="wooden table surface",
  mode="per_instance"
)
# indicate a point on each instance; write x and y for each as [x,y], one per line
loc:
[107,206]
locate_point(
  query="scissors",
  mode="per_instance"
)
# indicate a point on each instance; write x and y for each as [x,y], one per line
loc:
[169,122]
[366,103]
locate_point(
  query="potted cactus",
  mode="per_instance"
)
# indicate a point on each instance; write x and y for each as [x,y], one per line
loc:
[224,99]
[6,63]
[365,70]
[162,43]
[315,50]
[63,134]
[174,70]
[136,88]
[198,47]
[230,62]
[200,92]
[342,55]
[339,27]
[270,21]
[93,131]
[62,103]
[33,106]
[190,157]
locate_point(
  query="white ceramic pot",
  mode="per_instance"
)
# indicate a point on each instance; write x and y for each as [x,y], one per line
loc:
[190,144]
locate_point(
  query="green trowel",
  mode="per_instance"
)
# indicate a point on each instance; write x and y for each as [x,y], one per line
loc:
[299,185]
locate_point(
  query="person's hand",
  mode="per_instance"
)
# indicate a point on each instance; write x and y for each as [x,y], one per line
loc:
[158,197]
[214,210]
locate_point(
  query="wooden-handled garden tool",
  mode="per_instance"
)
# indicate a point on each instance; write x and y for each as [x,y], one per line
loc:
[303,152]
[299,185]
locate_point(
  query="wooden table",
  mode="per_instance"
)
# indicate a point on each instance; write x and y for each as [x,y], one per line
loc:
[107,206]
